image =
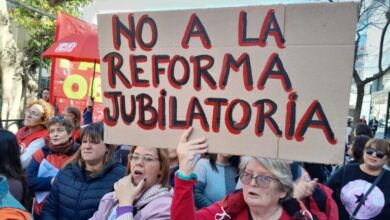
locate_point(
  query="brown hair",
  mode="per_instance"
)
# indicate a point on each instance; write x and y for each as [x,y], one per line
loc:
[48,111]
[61,121]
[163,157]
[94,132]
[379,144]
[76,112]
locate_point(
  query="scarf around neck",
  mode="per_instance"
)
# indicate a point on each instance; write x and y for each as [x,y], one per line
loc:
[150,194]
[62,148]
[25,136]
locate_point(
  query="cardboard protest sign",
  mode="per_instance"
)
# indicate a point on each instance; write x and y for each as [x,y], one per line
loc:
[269,81]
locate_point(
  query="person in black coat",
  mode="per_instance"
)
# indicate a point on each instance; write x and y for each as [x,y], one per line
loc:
[373,125]
[79,186]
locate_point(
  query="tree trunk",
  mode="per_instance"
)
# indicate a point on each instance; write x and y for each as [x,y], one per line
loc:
[359,103]
[11,73]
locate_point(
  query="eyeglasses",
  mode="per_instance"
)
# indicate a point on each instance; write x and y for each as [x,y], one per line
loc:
[262,181]
[145,159]
[378,153]
[33,113]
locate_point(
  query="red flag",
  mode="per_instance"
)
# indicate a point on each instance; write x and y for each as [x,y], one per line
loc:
[70,83]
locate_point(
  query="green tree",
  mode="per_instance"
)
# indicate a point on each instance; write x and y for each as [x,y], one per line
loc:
[40,28]
[18,66]
[373,14]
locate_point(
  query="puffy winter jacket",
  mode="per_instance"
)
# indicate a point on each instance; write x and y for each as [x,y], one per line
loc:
[41,184]
[76,195]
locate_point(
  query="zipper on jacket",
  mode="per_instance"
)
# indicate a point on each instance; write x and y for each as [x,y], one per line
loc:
[77,214]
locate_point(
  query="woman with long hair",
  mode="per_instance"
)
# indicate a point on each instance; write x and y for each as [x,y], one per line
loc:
[79,185]
[356,150]
[11,167]
[73,114]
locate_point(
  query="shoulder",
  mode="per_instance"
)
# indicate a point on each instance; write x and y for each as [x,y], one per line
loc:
[109,198]
[39,142]
[203,163]
[165,199]
[68,170]
[116,169]
[158,208]
[386,175]
[12,213]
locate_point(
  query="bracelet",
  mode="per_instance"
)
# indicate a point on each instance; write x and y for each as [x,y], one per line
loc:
[184,177]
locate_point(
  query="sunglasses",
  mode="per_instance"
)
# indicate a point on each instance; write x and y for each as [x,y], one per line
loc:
[379,154]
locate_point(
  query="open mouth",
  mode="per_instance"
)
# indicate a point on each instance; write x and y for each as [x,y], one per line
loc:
[253,194]
[138,174]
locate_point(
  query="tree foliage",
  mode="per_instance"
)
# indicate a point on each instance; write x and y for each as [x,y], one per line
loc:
[373,14]
[40,28]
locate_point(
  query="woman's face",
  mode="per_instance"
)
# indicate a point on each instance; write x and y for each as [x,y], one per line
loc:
[93,152]
[58,134]
[144,163]
[71,117]
[256,195]
[33,116]
[372,160]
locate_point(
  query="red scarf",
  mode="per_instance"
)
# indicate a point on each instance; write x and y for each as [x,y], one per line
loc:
[76,133]
[62,148]
[25,136]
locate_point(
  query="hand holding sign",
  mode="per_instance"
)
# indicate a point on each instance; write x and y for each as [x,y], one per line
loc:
[262,76]
[186,151]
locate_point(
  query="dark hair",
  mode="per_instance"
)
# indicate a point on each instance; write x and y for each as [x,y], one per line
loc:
[363,129]
[358,144]
[94,132]
[62,121]
[44,90]
[233,161]
[40,93]
[10,165]
[76,112]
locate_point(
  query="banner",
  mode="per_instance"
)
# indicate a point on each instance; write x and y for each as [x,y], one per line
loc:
[271,81]
[72,85]
[71,82]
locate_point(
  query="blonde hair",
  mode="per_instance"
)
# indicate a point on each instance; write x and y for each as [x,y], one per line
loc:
[48,110]
[279,168]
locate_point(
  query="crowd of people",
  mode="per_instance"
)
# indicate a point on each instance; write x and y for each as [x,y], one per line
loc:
[59,167]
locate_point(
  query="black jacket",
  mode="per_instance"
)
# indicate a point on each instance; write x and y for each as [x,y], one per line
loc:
[75,195]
